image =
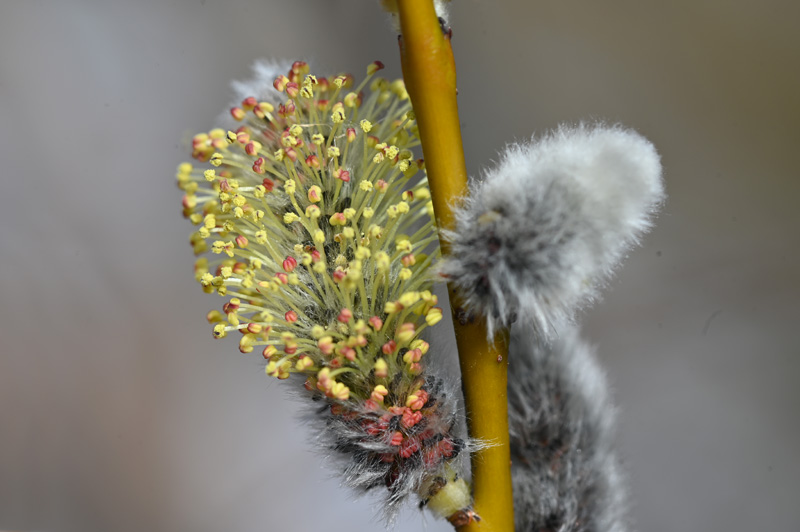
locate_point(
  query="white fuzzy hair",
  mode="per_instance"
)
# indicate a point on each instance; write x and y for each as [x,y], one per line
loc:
[562,423]
[259,86]
[541,233]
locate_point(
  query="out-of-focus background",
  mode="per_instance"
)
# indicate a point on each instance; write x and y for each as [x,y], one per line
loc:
[118,412]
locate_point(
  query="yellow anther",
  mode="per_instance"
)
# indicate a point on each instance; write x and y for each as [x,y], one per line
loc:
[216,159]
[304,363]
[219,330]
[366,125]
[225,272]
[210,221]
[351,99]
[296,130]
[210,174]
[368,213]
[340,391]
[433,316]
[381,370]
[420,344]
[206,279]
[409,298]
[404,274]
[378,158]
[375,231]
[403,245]
[362,253]
[313,212]
[184,168]
[261,236]
[382,261]
[392,307]
[231,136]
[338,113]
[366,186]
[290,217]
[246,343]
[317,138]
[280,154]
[319,237]
[333,152]
[392,151]
[348,233]
[290,186]
[422,193]
[319,267]
[315,194]
[238,212]
[239,200]
[216,133]
[402,207]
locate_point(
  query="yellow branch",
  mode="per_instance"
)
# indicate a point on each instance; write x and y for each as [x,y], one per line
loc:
[430,77]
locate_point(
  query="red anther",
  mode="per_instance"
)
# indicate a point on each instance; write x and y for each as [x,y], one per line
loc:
[268,183]
[239,267]
[376,323]
[290,349]
[409,194]
[188,202]
[254,328]
[282,277]
[309,384]
[389,347]
[409,447]
[229,307]
[372,140]
[326,347]
[322,104]
[344,175]
[280,83]
[315,256]
[237,113]
[351,134]
[345,315]
[323,84]
[312,161]
[389,458]
[397,438]
[292,89]
[397,410]
[420,163]
[243,137]
[219,143]
[419,402]
[224,186]
[381,185]
[349,353]
[291,154]
[250,148]
[339,275]
[337,409]
[269,351]
[375,66]
[370,405]
[249,103]
[257,168]
[410,418]
[289,264]
[335,363]
[408,260]
[299,67]
[290,316]
[241,241]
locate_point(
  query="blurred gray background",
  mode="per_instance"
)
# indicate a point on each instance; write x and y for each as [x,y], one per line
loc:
[118,412]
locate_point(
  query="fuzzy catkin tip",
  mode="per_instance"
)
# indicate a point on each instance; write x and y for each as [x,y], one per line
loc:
[566,476]
[539,235]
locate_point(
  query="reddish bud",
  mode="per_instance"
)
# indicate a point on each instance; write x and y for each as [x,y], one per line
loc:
[290,316]
[289,264]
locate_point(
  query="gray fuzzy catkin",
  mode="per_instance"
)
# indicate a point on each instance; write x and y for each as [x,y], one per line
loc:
[566,476]
[541,233]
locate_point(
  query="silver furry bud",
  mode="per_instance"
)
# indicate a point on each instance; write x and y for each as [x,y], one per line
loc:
[538,236]
[565,473]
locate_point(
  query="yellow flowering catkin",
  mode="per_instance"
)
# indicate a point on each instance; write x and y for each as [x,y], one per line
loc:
[312,222]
